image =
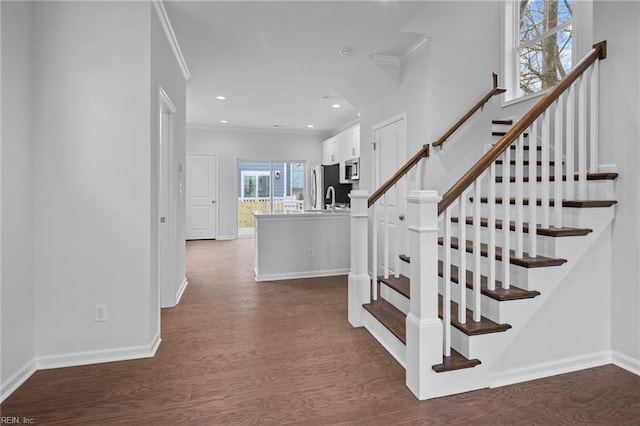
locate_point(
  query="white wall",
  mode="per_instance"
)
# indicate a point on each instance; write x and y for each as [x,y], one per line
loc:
[165,73]
[234,145]
[17,196]
[617,22]
[92,181]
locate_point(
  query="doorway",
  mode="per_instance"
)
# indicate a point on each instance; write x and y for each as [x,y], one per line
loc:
[389,155]
[167,231]
[202,196]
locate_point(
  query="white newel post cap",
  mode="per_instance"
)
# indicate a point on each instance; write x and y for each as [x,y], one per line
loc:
[423,196]
[359,200]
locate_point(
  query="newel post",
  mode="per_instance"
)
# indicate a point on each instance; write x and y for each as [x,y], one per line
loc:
[359,281]
[424,327]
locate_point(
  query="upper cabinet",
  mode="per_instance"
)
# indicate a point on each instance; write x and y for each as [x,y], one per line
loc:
[342,147]
[350,143]
[330,151]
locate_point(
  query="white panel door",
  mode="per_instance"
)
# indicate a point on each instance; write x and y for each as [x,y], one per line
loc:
[390,155]
[201,197]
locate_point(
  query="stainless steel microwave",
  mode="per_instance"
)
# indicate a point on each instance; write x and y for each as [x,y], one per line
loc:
[352,169]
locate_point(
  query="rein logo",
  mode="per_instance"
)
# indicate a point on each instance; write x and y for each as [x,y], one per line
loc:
[17,420]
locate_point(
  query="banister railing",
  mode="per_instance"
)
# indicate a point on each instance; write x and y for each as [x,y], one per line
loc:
[424,152]
[493,92]
[599,51]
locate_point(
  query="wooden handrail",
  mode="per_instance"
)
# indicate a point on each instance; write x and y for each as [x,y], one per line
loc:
[599,51]
[495,91]
[424,152]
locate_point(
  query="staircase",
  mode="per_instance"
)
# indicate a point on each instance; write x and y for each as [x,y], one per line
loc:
[503,251]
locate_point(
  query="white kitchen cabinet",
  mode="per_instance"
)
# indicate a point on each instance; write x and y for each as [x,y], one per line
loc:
[349,148]
[330,151]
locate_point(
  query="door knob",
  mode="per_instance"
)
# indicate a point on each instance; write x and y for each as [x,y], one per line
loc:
[401,217]
[213,201]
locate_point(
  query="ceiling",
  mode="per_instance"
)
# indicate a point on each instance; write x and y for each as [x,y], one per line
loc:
[278,62]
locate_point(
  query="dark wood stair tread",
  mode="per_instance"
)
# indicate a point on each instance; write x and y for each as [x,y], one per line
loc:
[405,258]
[470,327]
[565,203]
[549,232]
[500,294]
[552,178]
[400,284]
[389,316]
[524,261]
[494,133]
[505,122]
[454,362]
[526,162]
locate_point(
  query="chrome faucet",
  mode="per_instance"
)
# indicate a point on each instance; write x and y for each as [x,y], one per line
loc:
[331,190]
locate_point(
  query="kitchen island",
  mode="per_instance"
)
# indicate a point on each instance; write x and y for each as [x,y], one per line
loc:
[297,244]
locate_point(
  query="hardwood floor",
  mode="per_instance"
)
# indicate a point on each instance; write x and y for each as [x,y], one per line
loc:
[239,352]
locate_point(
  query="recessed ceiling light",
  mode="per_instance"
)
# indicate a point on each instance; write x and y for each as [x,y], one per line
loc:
[221,98]
[224,121]
[311,126]
[336,106]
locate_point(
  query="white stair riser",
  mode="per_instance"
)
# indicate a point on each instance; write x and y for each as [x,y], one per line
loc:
[571,216]
[395,298]
[596,189]
[545,245]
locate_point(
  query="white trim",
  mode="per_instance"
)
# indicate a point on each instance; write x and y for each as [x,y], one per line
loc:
[17,379]
[388,340]
[99,356]
[171,37]
[232,237]
[395,118]
[279,130]
[386,60]
[181,290]
[416,47]
[298,275]
[625,362]
[551,368]
[166,101]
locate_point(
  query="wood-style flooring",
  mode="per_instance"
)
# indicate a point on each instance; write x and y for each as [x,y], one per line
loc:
[235,351]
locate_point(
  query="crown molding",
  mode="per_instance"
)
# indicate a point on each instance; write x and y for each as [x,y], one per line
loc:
[386,59]
[171,37]
[258,130]
[416,47]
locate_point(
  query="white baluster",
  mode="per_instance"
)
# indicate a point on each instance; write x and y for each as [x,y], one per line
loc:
[557,171]
[477,270]
[506,220]
[593,108]
[570,145]
[519,249]
[446,302]
[582,138]
[533,174]
[462,265]
[399,233]
[491,227]
[374,253]
[544,180]
[385,247]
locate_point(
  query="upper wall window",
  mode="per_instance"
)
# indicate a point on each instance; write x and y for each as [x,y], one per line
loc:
[539,46]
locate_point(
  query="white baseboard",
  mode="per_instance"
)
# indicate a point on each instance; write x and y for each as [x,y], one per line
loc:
[297,275]
[626,362]
[18,378]
[229,237]
[181,290]
[99,356]
[548,369]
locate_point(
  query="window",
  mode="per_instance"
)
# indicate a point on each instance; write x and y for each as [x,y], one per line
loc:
[255,184]
[542,45]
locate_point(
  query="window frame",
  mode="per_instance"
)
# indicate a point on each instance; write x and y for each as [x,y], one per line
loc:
[582,33]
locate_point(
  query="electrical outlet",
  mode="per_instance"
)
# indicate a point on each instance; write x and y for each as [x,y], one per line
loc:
[311,252]
[100,313]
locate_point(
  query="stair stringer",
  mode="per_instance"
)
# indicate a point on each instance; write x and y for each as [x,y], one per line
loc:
[490,347]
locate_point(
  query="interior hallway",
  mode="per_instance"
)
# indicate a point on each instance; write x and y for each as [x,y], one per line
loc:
[239,352]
